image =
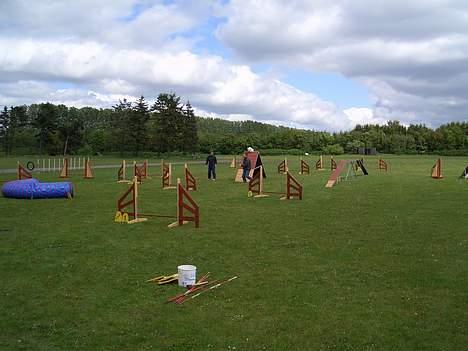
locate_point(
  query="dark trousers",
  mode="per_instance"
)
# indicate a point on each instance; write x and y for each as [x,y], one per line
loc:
[211,172]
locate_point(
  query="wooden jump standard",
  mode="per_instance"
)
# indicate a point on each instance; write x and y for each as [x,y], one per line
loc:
[383,165]
[233,163]
[121,174]
[185,203]
[64,173]
[141,172]
[332,164]
[166,177]
[23,173]
[190,180]
[283,166]
[437,170]
[88,173]
[293,187]
[305,169]
[319,164]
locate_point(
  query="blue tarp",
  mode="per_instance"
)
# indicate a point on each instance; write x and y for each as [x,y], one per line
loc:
[33,189]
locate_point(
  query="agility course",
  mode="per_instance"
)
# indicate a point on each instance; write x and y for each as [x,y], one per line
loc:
[376,252]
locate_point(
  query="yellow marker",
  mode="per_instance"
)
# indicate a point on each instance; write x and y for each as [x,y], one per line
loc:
[118,217]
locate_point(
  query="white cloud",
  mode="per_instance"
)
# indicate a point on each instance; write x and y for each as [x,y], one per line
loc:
[209,82]
[412,56]
[417,50]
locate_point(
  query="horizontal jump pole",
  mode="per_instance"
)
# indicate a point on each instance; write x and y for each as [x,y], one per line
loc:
[157,215]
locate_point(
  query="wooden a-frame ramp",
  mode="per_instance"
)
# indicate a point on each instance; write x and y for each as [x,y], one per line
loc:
[255,163]
[351,166]
[336,173]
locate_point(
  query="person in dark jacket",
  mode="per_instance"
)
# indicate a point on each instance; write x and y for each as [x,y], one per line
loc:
[246,166]
[211,162]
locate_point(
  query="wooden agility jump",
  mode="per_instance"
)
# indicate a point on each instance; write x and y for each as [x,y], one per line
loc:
[185,203]
[383,165]
[190,180]
[140,171]
[293,187]
[319,164]
[305,169]
[283,166]
[436,172]
[187,209]
[23,173]
[123,202]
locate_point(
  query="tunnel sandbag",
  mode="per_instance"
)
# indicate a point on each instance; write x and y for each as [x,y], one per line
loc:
[33,189]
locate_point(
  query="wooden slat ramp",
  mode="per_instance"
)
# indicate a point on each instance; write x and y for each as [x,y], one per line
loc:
[336,173]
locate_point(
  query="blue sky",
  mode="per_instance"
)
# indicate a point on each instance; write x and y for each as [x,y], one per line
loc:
[308,64]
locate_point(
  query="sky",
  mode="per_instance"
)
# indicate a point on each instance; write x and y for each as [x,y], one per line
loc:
[313,64]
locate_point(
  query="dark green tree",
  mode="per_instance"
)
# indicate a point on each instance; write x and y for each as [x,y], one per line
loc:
[45,122]
[5,130]
[120,122]
[138,124]
[189,130]
[166,125]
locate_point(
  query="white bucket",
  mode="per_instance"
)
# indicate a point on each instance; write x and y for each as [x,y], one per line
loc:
[187,274]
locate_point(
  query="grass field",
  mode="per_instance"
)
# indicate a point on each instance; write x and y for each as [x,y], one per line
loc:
[375,263]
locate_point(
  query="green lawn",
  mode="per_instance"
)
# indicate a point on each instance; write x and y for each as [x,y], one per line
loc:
[375,263]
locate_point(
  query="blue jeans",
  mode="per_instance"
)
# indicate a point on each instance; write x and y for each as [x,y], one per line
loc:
[245,174]
[212,172]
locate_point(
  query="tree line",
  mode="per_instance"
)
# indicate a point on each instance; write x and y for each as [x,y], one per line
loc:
[170,126]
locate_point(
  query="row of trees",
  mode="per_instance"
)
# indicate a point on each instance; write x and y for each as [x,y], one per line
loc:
[167,125]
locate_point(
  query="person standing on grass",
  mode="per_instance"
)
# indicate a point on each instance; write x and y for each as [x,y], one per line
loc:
[246,165]
[211,162]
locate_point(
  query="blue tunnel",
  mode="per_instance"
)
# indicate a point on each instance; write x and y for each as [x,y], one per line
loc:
[33,189]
